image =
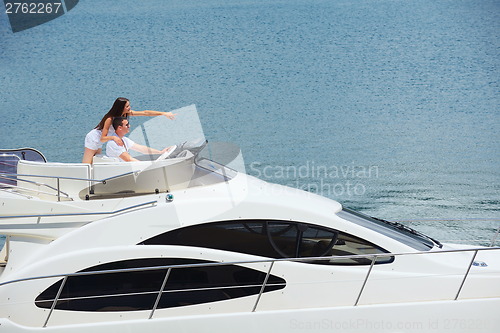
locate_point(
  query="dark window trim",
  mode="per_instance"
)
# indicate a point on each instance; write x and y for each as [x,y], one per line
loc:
[396,231]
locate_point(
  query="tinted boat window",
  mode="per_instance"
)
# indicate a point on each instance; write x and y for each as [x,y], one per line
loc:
[274,239]
[395,231]
[137,290]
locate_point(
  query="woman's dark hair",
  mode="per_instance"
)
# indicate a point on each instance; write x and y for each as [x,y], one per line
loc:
[115,111]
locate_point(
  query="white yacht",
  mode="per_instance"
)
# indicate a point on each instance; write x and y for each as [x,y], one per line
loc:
[183,243]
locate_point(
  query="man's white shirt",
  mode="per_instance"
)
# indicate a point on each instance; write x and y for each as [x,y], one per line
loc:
[114,150]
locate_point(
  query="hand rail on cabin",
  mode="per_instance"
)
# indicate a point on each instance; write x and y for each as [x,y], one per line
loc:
[466,274]
[24,191]
[216,167]
[80,214]
[6,176]
[262,286]
[103,181]
[365,280]
[160,292]
[13,176]
[54,303]
[494,239]
[303,259]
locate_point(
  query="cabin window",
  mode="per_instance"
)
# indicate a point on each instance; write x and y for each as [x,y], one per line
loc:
[138,290]
[275,239]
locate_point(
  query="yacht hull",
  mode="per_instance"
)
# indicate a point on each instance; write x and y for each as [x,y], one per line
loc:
[478,316]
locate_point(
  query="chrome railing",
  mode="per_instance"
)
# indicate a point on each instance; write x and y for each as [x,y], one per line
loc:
[494,239]
[23,189]
[262,286]
[57,188]
[39,216]
[81,214]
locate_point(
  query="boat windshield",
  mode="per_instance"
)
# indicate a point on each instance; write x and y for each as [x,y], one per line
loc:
[188,165]
[394,230]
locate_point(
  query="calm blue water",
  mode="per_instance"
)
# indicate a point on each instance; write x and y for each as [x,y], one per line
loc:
[391,107]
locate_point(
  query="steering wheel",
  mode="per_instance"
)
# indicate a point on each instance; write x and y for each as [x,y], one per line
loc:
[167,153]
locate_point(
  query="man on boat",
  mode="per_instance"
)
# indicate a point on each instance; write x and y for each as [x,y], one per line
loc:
[122,127]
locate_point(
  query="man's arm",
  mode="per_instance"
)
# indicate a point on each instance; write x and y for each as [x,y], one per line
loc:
[127,158]
[145,150]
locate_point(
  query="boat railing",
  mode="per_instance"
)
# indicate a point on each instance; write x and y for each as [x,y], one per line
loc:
[152,203]
[209,165]
[262,286]
[494,239]
[39,216]
[59,193]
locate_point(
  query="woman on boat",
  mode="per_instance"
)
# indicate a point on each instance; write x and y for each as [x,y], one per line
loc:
[104,132]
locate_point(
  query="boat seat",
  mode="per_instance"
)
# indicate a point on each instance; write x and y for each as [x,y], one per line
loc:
[142,176]
[104,159]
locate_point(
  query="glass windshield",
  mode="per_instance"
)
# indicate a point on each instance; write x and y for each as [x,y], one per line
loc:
[394,230]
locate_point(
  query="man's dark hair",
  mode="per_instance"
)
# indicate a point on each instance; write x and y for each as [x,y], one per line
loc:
[118,122]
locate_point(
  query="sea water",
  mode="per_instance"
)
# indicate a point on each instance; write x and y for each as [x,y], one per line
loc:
[390,107]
